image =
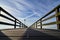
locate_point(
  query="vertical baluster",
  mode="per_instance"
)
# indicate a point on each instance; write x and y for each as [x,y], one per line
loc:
[20,24]
[41,23]
[36,24]
[15,24]
[58,18]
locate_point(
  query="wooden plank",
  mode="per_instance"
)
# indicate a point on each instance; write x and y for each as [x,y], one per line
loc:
[51,23]
[58,17]
[4,23]
[48,18]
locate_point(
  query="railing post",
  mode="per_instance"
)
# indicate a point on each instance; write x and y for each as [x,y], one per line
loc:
[41,23]
[20,24]
[15,24]
[23,25]
[58,17]
[36,24]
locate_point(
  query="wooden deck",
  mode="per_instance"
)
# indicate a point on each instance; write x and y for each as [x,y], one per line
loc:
[29,34]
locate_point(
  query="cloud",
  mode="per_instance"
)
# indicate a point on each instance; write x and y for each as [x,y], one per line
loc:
[26,9]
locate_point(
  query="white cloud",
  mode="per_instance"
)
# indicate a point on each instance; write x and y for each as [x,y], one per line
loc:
[19,10]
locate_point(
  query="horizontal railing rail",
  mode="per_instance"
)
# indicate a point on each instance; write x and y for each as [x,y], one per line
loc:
[57,15]
[16,21]
[7,23]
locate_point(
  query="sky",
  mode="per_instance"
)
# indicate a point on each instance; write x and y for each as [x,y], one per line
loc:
[30,10]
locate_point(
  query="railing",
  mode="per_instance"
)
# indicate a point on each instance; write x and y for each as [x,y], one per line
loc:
[16,21]
[57,15]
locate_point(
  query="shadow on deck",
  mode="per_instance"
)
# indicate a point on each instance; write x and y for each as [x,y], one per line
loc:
[3,36]
[32,34]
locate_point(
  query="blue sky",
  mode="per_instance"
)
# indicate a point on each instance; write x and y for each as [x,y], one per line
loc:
[31,10]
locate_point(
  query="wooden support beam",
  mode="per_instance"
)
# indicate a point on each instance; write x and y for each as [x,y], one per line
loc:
[36,24]
[41,24]
[15,24]
[58,17]
[20,24]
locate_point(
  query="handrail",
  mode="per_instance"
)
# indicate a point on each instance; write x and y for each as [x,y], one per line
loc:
[7,23]
[57,15]
[15,19]
[48,18]
[6,17]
